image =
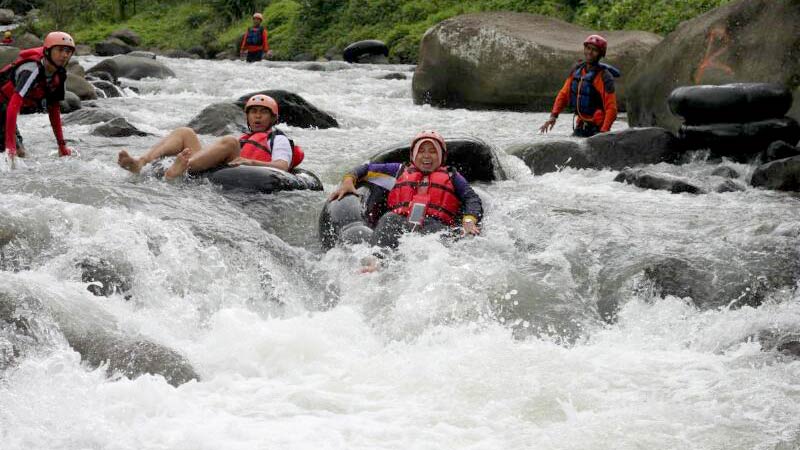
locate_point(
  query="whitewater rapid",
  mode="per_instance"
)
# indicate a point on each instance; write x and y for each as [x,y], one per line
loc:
[497,342]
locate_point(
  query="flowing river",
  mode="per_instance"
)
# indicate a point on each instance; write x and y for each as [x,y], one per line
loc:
[588,315]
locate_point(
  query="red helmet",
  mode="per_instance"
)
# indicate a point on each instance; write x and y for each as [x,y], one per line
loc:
[262,100]
[258,16]
[429,135]
[57,38]
[598,41]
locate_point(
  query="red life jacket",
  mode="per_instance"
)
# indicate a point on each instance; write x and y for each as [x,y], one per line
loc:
[258,146]
[40,88]
[443,204]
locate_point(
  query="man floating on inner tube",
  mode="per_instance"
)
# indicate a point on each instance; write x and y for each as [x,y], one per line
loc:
[426,195]
[35,81]
[254,42]
[588,92]
[263,146]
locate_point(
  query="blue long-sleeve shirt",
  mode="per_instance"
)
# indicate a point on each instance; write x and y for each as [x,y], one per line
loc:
[385,175]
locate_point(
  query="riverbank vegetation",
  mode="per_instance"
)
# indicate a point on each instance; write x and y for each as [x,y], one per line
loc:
[317,27]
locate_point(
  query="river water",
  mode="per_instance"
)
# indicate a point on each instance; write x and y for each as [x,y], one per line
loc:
[545,332]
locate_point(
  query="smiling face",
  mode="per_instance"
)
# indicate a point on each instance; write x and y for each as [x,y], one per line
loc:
[591,53]
[259,118]
[60,54]
[256,22]
[427,159]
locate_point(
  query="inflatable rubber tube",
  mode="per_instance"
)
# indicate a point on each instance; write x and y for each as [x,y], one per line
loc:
[263,179]
[352,219]
[353,52]
[730,103]
[740,140]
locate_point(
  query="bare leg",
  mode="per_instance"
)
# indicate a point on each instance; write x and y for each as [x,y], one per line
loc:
[222,151]
[174,143]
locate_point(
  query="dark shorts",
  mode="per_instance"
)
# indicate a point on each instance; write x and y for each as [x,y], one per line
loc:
[255,56]
[585,129]
[391,226]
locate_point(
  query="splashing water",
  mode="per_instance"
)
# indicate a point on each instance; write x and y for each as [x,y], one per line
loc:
[589,314]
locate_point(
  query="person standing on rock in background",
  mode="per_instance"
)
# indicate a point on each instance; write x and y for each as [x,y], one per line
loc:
[34,80]
[588,92]
[7,39]
[255,43]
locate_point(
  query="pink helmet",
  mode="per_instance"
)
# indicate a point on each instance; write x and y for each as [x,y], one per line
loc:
[57,38]
[258,16]
[262,100]
[432,136]
[598,41]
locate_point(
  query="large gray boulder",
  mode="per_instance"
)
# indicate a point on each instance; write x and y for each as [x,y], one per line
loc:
[89,116]
[780,175]
[8,55]
[75,67]
[219,119]
[70,103]
[28,40]
[132,67]
[742,41]
[6,16]
[118,127]
[127,36]
[34,319]
[512,60]
[82,88]
[614,150]
[111,47]
[658,181]
[295,110]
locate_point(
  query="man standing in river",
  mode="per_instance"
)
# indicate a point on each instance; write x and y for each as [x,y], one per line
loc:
[254,42]
[588,92]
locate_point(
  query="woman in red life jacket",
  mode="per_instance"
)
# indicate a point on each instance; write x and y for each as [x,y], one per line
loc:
[254,42]
[34,80]
[262,146]
[588,92]
[427,196]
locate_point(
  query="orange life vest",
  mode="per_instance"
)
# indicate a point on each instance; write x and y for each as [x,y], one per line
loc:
[443,204]
[258,146]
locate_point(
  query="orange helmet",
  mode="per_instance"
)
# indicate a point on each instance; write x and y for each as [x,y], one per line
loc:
[262,100]
[598,41]
[431,136]
[56,38]
[258,16]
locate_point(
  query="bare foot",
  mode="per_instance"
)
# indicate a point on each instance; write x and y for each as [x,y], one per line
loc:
[180,165]
[128,162]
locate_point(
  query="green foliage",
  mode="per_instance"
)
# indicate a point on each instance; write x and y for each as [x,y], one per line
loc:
[320,26]
[659,16]
[234,9]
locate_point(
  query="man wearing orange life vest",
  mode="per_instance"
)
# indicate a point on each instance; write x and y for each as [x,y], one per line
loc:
[254,42]
[263,146]
[427,196]
[35,80]
[588,92]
